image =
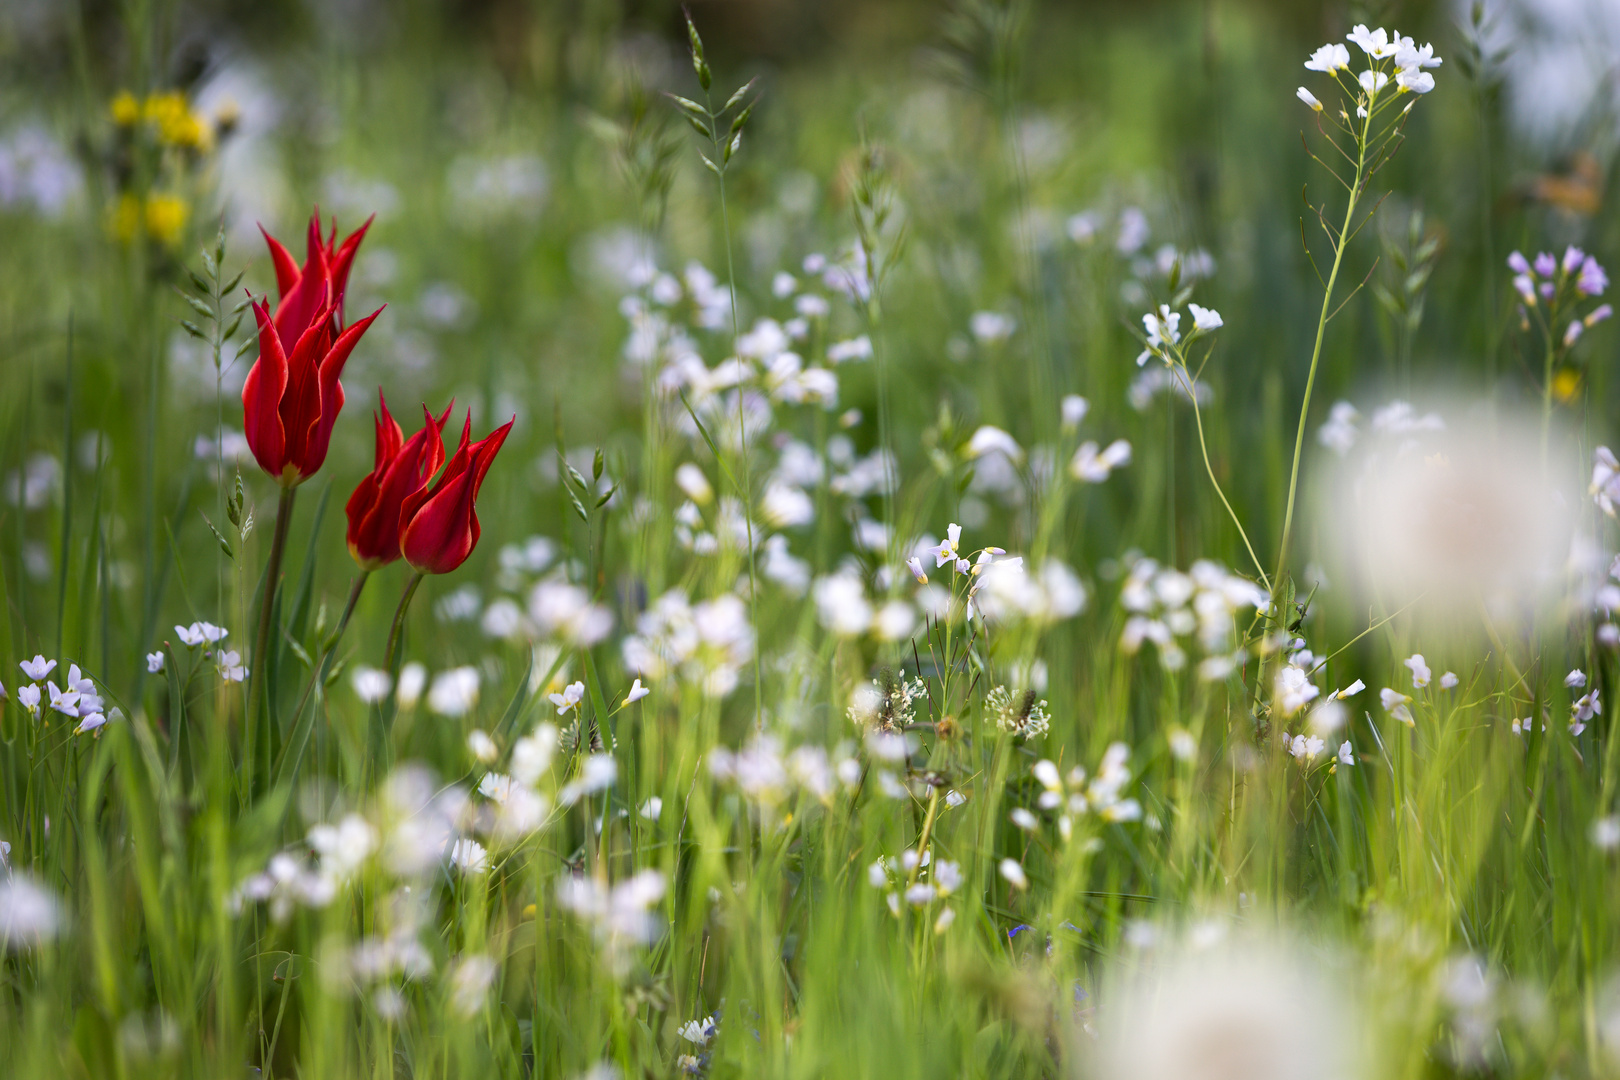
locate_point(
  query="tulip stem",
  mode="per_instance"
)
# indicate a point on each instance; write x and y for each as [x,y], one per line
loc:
[293,755]
[399,620]
[259,738]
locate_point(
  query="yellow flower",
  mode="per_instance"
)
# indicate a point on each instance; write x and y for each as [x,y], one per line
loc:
[125,218]
[162,217]
[1566,384]
[175,123]
[165,217]
[125,110]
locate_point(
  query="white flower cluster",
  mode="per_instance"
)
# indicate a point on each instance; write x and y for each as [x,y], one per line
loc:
[77,699]
[287,883]
[1022,714]
[918,881]
[1605,486]
[564,612]
[413,829]
[998,586]
[620,914]
[1077,795]
[1293,690]
[517,807]
[1167,605]
[1605,600]
[768,778]
[1396,703]
[766,355]
[886,704]
[1163,338]
[705,645]
[1387,53]
[1398,420]
[205,636]
[723,528]
[1009,593]
[844,609]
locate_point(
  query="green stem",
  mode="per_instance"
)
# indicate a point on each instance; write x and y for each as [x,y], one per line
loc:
[292,757]
[395,631]
[1198,418]
[1316,354]
[259,674]
[742,430]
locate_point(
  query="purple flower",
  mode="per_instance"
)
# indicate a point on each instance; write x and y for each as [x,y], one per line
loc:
[1547,289]
[1593,280]
[1573,256]
[1599,313]
[1546,264]
[1525,288]
[1518,263]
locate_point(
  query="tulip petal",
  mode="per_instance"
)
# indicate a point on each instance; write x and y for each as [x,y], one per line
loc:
[301,400]
[374,509]
[261,398]
[484,451]
[330,401]
[342,261]
[286,267]
[389,435]
[310,293]
[442,528]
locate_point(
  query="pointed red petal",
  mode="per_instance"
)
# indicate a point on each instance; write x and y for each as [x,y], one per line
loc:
[342,261]
[261,398]
[389,435]
[484,452]
[286,267]
[330,390]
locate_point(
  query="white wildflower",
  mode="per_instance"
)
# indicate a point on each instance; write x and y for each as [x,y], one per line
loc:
[469,856]
[29,914]
[1205,319]
[454,692]
[1420,670]
[570,698]
[370,684]
[1013,872]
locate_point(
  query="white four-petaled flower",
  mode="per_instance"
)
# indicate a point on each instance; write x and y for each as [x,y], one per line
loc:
[1420,670]
[570,698]
[946,551]
[1163,328]
[1205,319]
[1375,43]
[1329,58]
[1415,82]
[1372,80]
[37,668]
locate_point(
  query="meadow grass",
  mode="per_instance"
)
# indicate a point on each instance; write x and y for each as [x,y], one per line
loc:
[864,667]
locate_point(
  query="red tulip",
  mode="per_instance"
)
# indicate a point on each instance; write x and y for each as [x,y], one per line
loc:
[439,528]
[291,400]
[403,468]
[322,280]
